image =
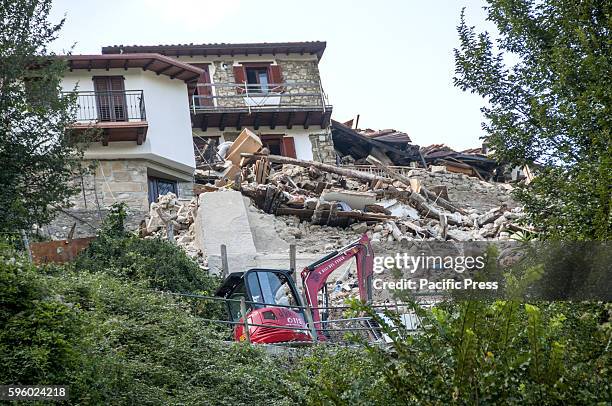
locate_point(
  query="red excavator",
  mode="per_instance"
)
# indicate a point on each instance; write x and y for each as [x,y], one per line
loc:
[274,303]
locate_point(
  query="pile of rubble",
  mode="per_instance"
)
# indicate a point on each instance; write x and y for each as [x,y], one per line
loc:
[394,210]
[393,206]
[321,208]
[175,220]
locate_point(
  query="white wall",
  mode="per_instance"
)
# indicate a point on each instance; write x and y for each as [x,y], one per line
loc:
[303,148]
[169,139]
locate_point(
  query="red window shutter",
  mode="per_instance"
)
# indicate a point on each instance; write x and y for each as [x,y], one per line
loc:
[289,147]
[239,78]
[276,77]
[205,91]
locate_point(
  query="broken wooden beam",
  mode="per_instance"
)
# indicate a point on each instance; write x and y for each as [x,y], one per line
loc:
[349,173]
[491,215]
[323,213]
[423,190]
[397,234]
[429,210]
[440,201]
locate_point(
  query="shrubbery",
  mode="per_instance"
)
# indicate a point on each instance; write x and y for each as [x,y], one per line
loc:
[158,263]
[98,326]
[40,334]
[475,352]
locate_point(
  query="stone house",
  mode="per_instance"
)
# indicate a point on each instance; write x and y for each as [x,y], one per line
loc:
[273,89]
[152,104]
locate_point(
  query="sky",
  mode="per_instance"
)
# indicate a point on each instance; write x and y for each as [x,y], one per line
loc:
[389,61]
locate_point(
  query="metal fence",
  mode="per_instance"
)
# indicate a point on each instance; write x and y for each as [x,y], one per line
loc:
[235,96]
[111,106]
[313,328]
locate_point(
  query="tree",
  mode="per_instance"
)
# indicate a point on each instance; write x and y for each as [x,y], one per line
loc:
[37,156]
[546,81]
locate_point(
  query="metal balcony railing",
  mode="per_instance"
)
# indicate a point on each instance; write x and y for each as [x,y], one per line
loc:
[212,97]
[112,106]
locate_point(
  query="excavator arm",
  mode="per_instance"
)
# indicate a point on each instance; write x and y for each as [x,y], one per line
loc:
[314,276]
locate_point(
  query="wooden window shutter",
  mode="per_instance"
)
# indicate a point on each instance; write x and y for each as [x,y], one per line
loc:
[110,98]
[289,147]
[276,78]
[205,91]
[118,98]
[116,83]
[239,78]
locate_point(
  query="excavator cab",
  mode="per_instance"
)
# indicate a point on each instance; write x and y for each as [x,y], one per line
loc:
[272,302]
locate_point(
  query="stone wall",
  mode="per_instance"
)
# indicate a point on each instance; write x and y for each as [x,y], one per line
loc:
[225,76]
[323,147]
[293,71]
[100,184]
[468,192]
[122,181]
[301,72]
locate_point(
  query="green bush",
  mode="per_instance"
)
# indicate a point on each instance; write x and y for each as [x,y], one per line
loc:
[159,263]
[115,342]
[40,334]
[475,352]
[148,348]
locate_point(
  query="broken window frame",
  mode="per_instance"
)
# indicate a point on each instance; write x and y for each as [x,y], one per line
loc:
[153,183]
[254,82]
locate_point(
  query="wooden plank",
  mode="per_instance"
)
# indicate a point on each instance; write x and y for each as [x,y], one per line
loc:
[424,191]
[367,177]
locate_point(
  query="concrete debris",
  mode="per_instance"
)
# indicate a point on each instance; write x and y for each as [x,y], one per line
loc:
[321,208]
[173,219]
[386,207]
[355,199]
[223,219]
[223,148]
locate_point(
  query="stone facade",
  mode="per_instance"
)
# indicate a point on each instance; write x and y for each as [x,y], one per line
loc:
[224,76]
[468,192]
[101,184]
[323,147]
[119,181]
[301,72]
[293,71]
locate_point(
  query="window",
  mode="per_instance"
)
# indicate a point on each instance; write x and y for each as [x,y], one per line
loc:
[110,98]
[234,307]
[273,143]
[260,77]
[271,288]
[257,79]
[159,186]
[278,144]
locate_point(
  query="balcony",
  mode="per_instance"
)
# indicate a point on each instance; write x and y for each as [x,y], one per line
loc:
[119,114]
[222,105]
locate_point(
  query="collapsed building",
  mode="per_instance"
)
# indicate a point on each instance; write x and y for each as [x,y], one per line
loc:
[255,118]
[392,205]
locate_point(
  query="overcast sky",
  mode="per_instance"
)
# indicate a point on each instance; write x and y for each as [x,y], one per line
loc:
[389,61]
